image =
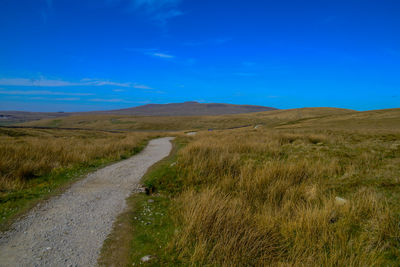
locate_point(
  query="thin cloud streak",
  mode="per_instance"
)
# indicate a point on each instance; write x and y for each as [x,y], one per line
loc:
[113,100]
[61,83]
[35,82]
[162,55]
[154,52]
[159,11]
[41,92]
[68,99]
[142,86]
[55,99]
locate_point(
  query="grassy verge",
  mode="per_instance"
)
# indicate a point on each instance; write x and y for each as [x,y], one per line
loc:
[18,194]
[146,227]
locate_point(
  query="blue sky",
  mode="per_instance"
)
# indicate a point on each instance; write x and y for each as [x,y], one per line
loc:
[70,55]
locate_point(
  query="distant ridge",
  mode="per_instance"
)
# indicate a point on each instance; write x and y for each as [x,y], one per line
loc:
[190,108]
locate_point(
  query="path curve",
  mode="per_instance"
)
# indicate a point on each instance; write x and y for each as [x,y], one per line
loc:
[69,230]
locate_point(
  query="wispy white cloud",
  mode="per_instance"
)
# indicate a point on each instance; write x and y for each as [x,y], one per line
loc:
[43,82]
[109,100]
[68,99]
[35,82]
[161,55]
[41,92]
[159,10]
[155,4]
[55,99]
[101,83]
[163,17]
[154,52]
[142,86]
[126,84]
[143,102]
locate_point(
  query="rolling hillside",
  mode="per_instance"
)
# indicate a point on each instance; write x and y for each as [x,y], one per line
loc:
[303,118]
[191,108]
[172,109]
[124,122]
[385,119]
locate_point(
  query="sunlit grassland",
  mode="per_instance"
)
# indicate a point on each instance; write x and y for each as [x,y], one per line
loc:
[34,163]
[267,197]
[384,121]
[309,187]
[119,122]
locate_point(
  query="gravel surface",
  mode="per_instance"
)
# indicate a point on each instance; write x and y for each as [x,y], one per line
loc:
[69,230]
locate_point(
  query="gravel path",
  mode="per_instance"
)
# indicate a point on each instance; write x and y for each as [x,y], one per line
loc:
[69,230]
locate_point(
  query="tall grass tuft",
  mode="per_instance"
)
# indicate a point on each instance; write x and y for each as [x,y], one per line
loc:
[28,154]
[258,197]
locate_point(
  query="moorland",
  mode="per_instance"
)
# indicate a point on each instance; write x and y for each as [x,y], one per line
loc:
[311,186]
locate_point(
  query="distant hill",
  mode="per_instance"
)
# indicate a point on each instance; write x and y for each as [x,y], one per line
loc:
[11,117]
[187,109]
[173,109]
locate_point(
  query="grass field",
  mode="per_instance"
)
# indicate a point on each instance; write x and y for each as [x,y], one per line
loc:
[267,197]
[114,122]
[294,194]
[309,187]
[34,163]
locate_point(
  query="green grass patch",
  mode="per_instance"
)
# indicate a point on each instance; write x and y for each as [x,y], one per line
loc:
[163,176]
[152,230]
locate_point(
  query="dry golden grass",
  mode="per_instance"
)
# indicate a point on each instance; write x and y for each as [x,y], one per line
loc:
[256,196]
[262,197]
[26,154]
[268,118]
[374,120]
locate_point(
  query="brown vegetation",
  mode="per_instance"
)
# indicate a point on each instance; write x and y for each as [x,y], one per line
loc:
[316,186]
[263,197]
[26,153]
[267,119]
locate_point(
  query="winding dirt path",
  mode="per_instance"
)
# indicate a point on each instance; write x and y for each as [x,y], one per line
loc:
[69,230]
